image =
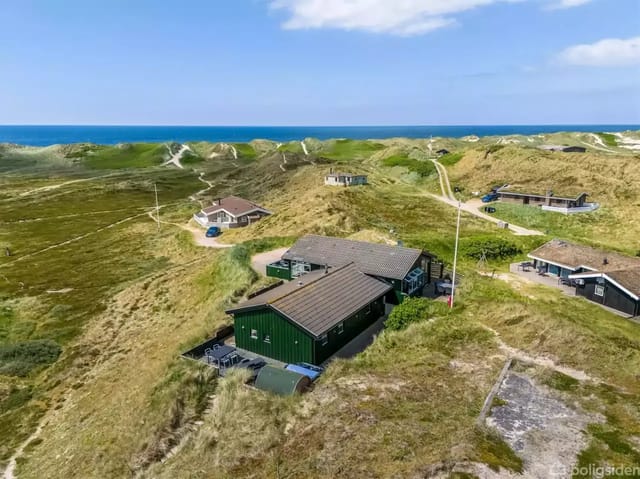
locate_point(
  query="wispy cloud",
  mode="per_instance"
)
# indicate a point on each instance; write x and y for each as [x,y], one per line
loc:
[399,17]
[562,4]
[610,52]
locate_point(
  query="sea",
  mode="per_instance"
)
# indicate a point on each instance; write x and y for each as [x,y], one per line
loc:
[46,135]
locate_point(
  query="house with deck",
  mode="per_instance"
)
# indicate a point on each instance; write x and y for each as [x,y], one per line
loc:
[548,201]
[604,277]
[344,179]
[311,318]
[230,212]
[407,270]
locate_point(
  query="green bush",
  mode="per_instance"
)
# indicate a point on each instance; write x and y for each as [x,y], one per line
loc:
[19,359]
[412,310]
[492,248]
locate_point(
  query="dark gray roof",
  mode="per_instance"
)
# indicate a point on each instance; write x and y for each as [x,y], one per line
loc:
[376,259]
[574,256]
[322,300]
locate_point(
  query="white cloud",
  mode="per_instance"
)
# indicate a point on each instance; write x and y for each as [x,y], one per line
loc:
[560,4]
[399,17]
[609,52]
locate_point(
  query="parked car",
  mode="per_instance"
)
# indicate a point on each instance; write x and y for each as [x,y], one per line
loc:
[489,209]
[252,365]
[212,232]
[311,371]
[488,198]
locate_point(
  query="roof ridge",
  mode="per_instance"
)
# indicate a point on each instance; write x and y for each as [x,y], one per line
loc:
[366,242]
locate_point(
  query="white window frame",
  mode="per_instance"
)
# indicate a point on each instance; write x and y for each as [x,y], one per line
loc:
[254,334]
[267,338]
[340,328]
[324,339]
[599,290]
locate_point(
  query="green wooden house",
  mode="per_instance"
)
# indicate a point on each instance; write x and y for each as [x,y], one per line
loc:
[311,318]
[408,270]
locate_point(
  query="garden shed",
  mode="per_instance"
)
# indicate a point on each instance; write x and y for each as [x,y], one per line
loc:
[281,381]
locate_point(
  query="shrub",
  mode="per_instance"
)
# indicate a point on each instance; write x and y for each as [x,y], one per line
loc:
[492,248]
[21,358]
[412,310]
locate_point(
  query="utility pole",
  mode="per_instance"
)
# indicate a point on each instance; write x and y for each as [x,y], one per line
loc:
[155,187]
[455,259]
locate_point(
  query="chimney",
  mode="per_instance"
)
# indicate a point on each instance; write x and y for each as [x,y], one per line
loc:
[549,192]
[326,268]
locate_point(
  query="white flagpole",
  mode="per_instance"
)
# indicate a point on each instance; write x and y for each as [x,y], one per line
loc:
[455,258]
[155,187]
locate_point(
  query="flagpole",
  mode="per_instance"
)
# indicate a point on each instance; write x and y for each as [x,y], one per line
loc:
[455,258]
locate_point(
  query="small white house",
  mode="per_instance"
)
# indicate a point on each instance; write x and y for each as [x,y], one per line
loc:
[344,179]
[230,212]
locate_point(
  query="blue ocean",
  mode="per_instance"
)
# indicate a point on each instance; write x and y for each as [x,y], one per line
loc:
[108,135]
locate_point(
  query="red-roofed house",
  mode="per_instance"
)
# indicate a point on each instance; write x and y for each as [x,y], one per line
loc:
[230,212]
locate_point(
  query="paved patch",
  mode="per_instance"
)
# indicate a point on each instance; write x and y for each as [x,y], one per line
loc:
[539,427]
[260,261]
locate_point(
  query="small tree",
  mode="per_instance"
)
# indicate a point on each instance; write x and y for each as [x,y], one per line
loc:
[410,311]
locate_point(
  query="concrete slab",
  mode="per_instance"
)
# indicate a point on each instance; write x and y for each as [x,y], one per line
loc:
[531,275]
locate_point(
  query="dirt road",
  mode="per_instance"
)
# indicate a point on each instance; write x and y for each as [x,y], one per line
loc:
[472,206]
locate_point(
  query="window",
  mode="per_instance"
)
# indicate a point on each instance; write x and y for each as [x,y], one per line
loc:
[324,339]
[599,290]
[254,334]
[413,281]
[340,328]
[267,338]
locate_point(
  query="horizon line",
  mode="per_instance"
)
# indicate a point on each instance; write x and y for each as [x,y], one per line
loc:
[448,125]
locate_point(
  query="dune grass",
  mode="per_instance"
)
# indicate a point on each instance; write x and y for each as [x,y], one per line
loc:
[612,180]
[450,159]
[118,399]
[136,155]
[245,151]
[348,150]
[608,139]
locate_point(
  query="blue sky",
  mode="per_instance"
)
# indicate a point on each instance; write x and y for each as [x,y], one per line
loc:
[319,62]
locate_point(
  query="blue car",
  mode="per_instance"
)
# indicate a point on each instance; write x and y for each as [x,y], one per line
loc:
[306,369]
[488,198]
[212,232]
